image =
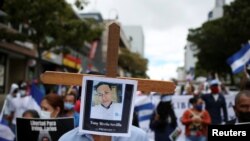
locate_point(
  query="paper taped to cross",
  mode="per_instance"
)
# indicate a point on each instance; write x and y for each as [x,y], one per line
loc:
[107,106]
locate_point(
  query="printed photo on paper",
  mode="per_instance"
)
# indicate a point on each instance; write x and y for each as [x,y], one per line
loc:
[107,105]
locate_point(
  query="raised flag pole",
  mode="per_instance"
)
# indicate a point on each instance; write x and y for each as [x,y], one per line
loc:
[164,87]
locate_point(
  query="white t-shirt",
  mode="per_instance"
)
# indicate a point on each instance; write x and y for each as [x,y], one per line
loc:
[216,96]
[114,112]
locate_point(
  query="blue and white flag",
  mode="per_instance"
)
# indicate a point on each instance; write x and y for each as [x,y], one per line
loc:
[239,59]
[144,107]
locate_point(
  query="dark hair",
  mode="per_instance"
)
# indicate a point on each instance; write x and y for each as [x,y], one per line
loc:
[15,90]
[71,95]
[55,101]
[165,110]
[102,83]
[241,93]
[194,99]
[34,113]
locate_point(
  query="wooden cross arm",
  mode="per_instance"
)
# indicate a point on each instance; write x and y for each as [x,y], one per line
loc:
[63,78]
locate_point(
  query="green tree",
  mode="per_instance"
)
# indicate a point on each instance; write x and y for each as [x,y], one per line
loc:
[133,63]
[51,22]
[219,39]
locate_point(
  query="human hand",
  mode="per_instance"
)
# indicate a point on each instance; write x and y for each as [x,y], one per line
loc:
[196,120]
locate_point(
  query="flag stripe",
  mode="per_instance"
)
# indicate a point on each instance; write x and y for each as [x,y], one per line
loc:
[143,118]
[239,59]
[236,64]
[144,107]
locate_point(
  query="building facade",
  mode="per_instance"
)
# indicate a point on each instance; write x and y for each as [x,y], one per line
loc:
[135,36]
[217,11]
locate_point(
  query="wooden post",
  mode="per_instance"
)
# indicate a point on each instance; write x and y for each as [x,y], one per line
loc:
[113,46]
[163,87]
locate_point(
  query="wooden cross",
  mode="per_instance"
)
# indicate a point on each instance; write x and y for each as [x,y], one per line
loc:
[163,87]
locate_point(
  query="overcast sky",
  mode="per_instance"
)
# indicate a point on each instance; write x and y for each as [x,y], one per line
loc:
[165,25]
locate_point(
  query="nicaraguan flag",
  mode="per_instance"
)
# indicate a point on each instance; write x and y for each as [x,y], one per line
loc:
[239,59]
[144,107]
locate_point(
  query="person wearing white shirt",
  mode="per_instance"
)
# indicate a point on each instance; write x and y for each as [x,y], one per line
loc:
[215,104]
[107,109]
[22,103]
[8,104]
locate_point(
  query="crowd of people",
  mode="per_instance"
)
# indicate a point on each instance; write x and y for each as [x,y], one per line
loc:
[206,109]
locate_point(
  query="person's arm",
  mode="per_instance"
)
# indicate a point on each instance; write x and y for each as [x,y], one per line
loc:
[173,118]
[244,79]
[206,118]
[186,118]
[154,121]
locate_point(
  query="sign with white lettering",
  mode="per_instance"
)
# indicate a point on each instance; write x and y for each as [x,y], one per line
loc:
[42,129]
[107,106]
[239,132]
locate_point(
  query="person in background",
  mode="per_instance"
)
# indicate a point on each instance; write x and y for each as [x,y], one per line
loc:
[77,105]
[69,102]
[245,80]
[163,121]
[215,103]
[52,106]
[8,105]
[224,90]
[196,121]
[22,103]
[135,120]
[31,114]
[241,108]
[189,90]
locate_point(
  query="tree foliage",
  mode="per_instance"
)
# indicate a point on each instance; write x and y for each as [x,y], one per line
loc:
[133,63]
[50,23]
[50,18]
[219,39]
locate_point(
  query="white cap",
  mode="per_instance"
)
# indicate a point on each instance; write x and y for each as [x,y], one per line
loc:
[214,82]
[166,98]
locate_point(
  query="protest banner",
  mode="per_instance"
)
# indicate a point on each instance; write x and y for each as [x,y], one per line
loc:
[42,129]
